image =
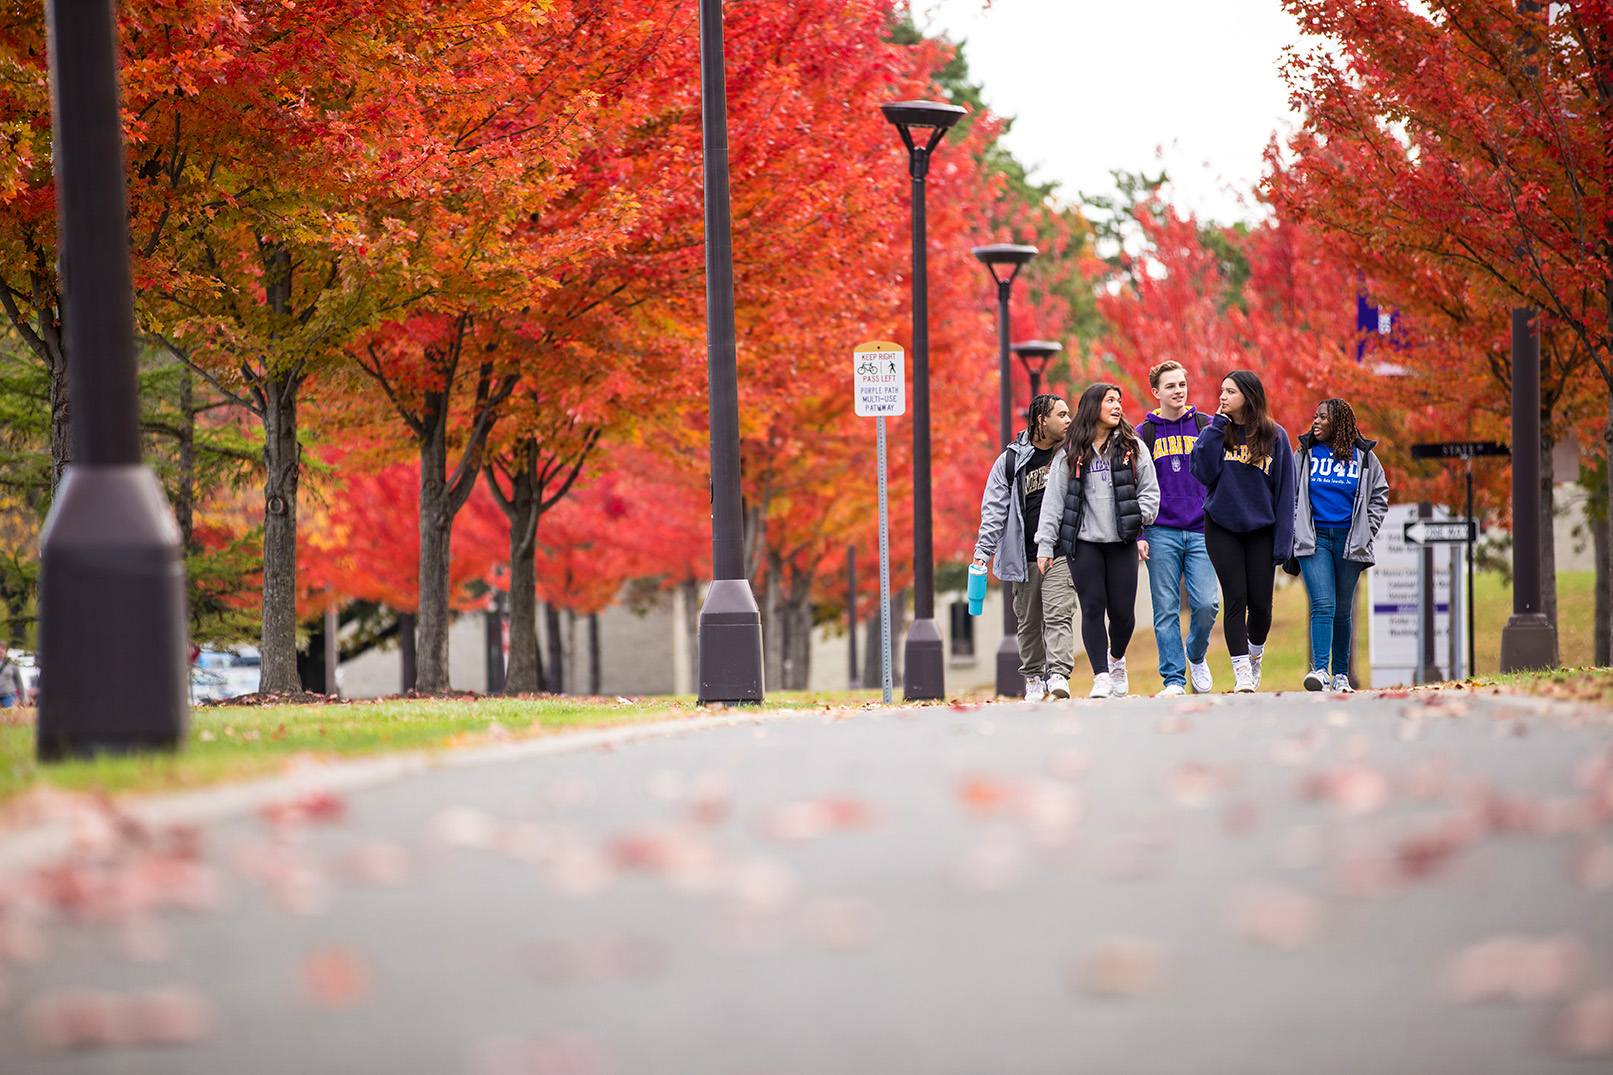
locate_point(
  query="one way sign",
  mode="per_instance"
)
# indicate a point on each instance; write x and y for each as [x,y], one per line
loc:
[1441,531]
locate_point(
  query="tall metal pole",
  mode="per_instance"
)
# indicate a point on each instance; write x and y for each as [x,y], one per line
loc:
[730,621]
[1472,668]
[1529,640]
[923,656]
[112,573]
[1009,681]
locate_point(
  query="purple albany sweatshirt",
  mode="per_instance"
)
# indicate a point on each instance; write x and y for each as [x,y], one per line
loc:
[1181,497]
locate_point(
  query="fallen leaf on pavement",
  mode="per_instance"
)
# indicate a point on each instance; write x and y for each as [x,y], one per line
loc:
[1123,968]
[336,976]
[1274,915]
[1585,1026]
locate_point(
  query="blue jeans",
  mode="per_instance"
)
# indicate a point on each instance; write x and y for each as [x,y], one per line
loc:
[1172,556]
[1330,581]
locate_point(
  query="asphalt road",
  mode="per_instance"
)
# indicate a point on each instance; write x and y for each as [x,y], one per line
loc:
[1275,883]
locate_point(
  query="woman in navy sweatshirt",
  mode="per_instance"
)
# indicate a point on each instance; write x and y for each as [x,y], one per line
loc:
[1246,464]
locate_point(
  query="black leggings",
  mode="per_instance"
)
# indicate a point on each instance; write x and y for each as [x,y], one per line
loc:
[1243,562]
[1105,577]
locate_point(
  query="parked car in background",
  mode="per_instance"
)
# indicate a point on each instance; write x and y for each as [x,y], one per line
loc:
[225,673]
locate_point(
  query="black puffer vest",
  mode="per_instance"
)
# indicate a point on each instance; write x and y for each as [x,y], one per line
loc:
[1130,521]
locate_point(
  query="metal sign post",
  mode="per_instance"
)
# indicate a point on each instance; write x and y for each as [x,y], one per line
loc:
[879,386]
[1467,451]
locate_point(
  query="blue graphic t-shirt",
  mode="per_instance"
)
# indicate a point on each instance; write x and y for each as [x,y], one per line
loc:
[1332,486]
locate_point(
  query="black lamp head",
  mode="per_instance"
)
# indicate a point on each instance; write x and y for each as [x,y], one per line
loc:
[1010,256]
[1036,354]
[934,116]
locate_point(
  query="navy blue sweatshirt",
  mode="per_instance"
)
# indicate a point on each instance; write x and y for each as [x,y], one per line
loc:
[1244,497]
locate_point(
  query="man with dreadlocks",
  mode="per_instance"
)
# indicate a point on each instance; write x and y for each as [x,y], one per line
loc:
[1343,496]
[1013,494]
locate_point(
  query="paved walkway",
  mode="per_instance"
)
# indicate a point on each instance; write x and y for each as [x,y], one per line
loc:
[1278,883]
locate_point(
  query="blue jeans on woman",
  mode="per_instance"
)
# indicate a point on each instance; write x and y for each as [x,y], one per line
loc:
[1330,581]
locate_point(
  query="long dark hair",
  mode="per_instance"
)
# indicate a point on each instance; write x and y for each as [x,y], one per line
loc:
[1344,430]
[1256,427]
[1084,429]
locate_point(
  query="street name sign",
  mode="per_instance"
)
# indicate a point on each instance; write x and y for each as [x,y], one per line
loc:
[1459,449]
[1440,532]
[879,379]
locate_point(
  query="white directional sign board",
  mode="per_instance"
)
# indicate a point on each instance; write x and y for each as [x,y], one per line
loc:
[879,379]
[1392,596]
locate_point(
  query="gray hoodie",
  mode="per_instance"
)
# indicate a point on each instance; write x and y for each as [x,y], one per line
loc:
[1002,511]
[1371,503]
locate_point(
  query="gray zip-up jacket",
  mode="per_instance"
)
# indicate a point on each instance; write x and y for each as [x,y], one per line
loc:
[1002,514]
[1371,503]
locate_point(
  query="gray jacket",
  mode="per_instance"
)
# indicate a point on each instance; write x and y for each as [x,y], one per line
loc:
[1002,514]
[1101,526]
[1371,503]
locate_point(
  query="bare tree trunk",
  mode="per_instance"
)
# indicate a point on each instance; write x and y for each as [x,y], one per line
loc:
[691,623]
[282,466]
[798,632]
[1548,531]
[525,675]
[1602,532]
[436,534]
[773,621]
[571,648]
[593,653]
[185,494]
[406,652]
[61,417]
[551,624]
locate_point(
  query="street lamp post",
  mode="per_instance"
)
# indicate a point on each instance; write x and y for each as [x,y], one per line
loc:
[1003,261]
[111,568]
[730,636]
[1529,640]
[1034,355]
[923,656]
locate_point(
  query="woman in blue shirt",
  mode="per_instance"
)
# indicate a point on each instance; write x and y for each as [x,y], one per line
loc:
[1342,498]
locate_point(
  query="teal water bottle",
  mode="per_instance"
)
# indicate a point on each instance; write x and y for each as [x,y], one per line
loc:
[977,588]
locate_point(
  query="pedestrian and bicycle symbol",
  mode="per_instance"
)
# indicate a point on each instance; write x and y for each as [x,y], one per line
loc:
[879,383]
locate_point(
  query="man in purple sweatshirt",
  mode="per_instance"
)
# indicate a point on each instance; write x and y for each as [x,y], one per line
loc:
[1176,538]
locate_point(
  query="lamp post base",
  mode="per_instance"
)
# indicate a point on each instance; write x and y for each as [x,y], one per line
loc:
[1010,684]
[1528,642]
[924,663]
[731,645]
[112,620]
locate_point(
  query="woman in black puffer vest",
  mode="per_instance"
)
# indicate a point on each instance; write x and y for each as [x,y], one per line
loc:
[1101,492]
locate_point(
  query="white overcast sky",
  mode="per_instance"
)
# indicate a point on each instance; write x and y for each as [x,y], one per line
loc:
[1094,86]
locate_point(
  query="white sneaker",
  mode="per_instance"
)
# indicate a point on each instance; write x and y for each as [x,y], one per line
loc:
[1341,684]
[1243,677]
[1101,687]
[1035,689]
[1255,655]
[1172,690]
[1316,680]
[1203,682]
[1117,677]
[1058,686]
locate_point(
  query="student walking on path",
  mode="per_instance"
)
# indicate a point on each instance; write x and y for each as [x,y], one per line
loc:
[1342,499]
[1101,492]
[1014,495]
[1246,463]
[1176,553]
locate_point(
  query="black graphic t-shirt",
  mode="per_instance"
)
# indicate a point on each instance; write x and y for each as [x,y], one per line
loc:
[1034,476]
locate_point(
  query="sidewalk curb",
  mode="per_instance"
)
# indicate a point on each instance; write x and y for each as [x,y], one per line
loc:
[28,848]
